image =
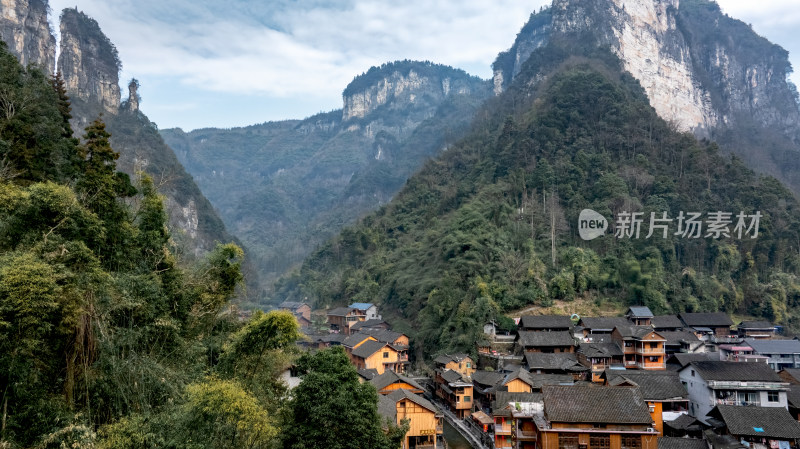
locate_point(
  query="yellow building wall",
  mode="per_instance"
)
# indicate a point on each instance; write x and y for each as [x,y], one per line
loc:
[549,440]
[397,386]
[461,367]
[423,421]
[518,386]
[657,418]
[377,360]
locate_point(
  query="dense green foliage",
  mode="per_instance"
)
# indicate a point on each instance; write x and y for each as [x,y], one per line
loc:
[106,340]
[491,226]
[285,187]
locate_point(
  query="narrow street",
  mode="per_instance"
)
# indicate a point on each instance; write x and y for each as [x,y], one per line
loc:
[463,429]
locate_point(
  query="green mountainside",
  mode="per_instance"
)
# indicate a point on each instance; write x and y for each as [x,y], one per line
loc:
[285,187]
[491,225]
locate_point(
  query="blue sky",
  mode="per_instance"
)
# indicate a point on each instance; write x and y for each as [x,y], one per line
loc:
[216,63]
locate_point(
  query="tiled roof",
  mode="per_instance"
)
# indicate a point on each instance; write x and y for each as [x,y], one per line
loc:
[713,319]
[774,346]
[389,377]
[487,377]
[793,375]
[529,322]
[354,339]
[640,312]
[450,376]
[368,348]
[587,404]
[558,361]
[368,374]
[734,371]
[339,311]
[334,338]
[666,322]
[540,380]
[684,422]
[684,359]
[654,385]
[387,336]
[681,443]
[632,331]
[756,325]
[767,422]
[676,337]
[368,323]
[387,408]
[603,322]
[793,396]
[521,374]
[538,339]
[399,395]
[600,350]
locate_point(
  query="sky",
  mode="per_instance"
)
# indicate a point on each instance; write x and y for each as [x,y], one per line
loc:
[228,63]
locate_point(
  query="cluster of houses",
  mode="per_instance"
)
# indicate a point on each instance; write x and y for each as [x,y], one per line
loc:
[692,380]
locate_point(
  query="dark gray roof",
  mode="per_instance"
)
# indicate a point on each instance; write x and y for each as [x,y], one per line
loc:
[387,336]
[558,361]
[640,312]
[368,374]
[600,350]
[334,338]
[451,376]
[734,371]
[712,319]
[774,422]
[540,380]
[340,311]
[399,395]
[774,346]
[756,325]
[684,422]
[355,339]
[521,374]
[389,377]
[654,385]
[487,377]
[542,322]
[291,305]
[676,337]
[368,348]
[588,404]
[530,339]
[632,331]
[666,322]
[603,323]
[684,359]
[367,324]
[793,396]
[793,374]
[387,408]
[681,443]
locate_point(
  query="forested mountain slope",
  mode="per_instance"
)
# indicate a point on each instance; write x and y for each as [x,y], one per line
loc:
[491,225]
[285,187]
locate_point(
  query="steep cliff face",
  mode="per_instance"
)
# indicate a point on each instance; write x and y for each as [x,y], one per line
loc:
[24,27]
[88,61]
[688,56]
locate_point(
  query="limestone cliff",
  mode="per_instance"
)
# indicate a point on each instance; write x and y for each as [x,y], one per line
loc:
[88,61]
[24,27]
[687,55]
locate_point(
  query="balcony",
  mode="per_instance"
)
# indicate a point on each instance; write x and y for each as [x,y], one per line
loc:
[502,430]
[650,351]
[525,434]
[735,402]
[652,365]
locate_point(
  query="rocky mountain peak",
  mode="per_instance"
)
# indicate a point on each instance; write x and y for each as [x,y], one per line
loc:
[24,27]
[686,54]
[404,84]
[88,61]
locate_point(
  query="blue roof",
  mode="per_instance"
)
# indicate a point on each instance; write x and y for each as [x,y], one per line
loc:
[361,305]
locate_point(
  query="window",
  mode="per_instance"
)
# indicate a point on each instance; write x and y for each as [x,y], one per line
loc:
[692,373]
[469,365]
[628,344]
[386,355]
[567,441]
[600,442]
[631,442]
[652,408]
[653,345]
[467,399]
[773,396]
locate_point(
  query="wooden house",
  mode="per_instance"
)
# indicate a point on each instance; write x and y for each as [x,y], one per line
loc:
[666,397]
[460,363]
[455,391]
[513,419]
[389,381]
[592,417]
[599,357]
[717,323]
[763,330]
[639,315]
[642,347]
[341,319]
[375,355]
[547,342]
[560,363]
[425,420]
[600,325]
[545,323]
[667,323]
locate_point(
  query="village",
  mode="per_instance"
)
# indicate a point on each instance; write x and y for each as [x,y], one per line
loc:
[639,381]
